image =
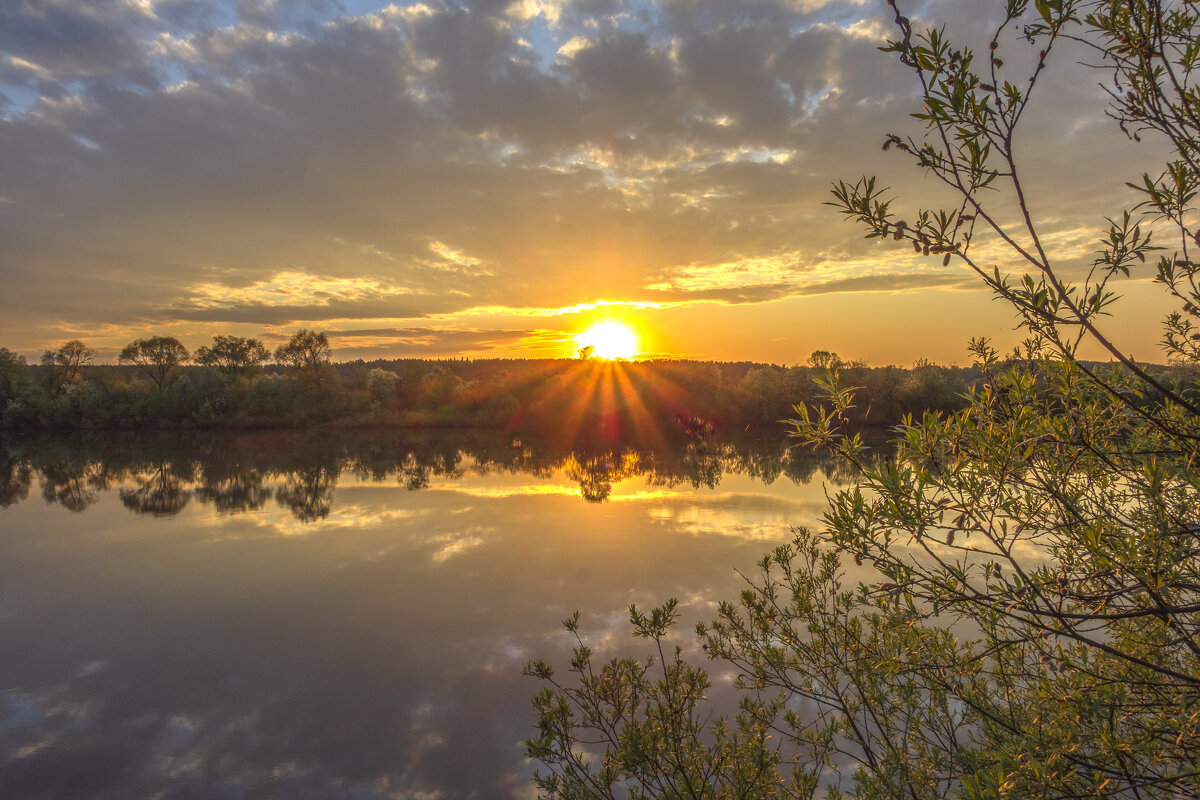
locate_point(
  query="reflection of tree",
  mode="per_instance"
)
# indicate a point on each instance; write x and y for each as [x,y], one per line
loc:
[419,466]
[15,478]
[161,495]
[596,474]
[373,464]
[71,483]
[233,472]
[234,489]
[764,464]
[308,493]
[701,464]
[414,476]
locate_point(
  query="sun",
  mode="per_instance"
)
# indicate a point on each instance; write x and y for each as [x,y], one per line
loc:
[609,340]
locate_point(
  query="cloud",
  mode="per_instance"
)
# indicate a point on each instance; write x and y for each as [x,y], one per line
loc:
[262,162]
[432,342]
[64,40]
[737,293]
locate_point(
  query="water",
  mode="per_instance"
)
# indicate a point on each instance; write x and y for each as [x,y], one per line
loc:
[335,615]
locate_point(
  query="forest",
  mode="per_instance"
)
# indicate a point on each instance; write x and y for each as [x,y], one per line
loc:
[153,386]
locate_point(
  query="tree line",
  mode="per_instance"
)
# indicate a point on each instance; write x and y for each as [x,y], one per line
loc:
[236,382]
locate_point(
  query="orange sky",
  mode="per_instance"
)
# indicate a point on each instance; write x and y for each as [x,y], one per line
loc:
[489,178]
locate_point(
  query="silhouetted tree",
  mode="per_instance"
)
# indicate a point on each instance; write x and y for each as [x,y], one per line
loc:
[233,355]
[307,352]
[157,356]
[823,359]
[63,364]
[14,372]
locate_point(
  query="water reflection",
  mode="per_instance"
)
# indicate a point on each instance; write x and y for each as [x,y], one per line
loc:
[72,483]
[161,493]
[337,616]
[232,488]
[308,492]
[239,474]
[15,479]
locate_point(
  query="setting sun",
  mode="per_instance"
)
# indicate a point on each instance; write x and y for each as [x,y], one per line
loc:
[609,340]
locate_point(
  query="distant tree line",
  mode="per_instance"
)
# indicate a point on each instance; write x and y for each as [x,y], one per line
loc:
[236,382]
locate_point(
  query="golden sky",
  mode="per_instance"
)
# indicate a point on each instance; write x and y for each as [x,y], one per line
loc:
[490,177]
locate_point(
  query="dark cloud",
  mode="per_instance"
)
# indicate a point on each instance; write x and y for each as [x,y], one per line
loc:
[71,39]
[185,14]
[286,13]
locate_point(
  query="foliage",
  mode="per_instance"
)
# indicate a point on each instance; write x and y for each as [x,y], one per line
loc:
[233,355]
[1033,629]
[157,356]
[382,385]
[307,352]
[529,395]
[824,360]
[63,364]
[646,712]
[14,378]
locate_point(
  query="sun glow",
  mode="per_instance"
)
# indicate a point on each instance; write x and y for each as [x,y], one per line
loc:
[609,340]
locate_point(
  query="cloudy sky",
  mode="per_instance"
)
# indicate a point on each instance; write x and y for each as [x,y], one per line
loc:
[490,177]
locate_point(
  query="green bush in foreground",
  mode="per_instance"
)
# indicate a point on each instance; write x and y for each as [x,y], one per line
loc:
[1034,626]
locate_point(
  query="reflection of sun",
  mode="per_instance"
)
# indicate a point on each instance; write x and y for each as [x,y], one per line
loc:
[609,340]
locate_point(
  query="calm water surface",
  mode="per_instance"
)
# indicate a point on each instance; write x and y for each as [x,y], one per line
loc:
[332,615]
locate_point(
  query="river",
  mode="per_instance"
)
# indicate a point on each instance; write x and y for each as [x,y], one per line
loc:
[342,614]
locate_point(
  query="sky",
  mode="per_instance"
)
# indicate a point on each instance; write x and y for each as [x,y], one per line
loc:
[489,178]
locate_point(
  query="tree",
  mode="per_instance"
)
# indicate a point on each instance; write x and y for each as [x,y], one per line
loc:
[307,352]
[14,372]
[1034,629]
[63,364]
[586,352]
[382,385]
[233,355]
[823,359]
[157,356]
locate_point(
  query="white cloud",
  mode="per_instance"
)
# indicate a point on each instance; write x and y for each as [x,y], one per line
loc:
[573,46]
[526,10]
[288,288]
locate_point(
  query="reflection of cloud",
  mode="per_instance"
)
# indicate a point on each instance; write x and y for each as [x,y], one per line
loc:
[739,515]
[459,542]
[528,490]
[279,521]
